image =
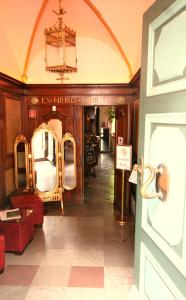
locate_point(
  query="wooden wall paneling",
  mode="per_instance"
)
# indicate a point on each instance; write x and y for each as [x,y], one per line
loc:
[135,85]
[2,151]
[66,96]
[45,113]
[78,193]
[11,86]
[134,135]
[74,97]
[122,130]
[127,206]
[78,90]
[24,117]
[10,184]
[68,113]
[12,128]
[35,120]
[9,89]
[9,161]
[12,122]
[55,115]
[122,123]
[135,126]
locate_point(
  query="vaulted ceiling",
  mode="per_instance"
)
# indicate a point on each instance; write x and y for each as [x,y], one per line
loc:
[109,35]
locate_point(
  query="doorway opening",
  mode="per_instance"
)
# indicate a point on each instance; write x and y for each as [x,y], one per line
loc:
[99,152]
[99,122]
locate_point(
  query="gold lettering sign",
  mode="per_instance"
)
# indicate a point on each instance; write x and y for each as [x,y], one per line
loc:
[78,100]
[60,100]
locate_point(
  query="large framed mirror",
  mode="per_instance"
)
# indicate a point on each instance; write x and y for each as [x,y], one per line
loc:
[69,162]
[21,163]
[45,164]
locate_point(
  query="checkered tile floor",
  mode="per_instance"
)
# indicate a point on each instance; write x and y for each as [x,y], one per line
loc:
[79,256]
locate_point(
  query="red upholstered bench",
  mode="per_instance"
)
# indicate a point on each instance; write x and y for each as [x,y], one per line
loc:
[18,233]
[30,201]
[2,253]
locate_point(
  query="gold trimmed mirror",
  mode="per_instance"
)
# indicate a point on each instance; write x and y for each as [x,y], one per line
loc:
[69,162]
[45,164]
[21,163]
[49,162]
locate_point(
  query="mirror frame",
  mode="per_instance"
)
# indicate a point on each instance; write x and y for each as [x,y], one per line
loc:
[68,137]
[56,193]
[21,139]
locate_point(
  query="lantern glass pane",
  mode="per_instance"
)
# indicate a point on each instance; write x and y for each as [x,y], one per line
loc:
[70,54]
[55,56]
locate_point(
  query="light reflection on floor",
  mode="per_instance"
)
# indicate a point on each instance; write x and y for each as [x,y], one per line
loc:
[83,255]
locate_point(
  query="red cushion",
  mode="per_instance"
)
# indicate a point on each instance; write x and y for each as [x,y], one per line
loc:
[33,202]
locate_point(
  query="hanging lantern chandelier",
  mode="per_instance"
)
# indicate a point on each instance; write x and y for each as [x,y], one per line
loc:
[60,47]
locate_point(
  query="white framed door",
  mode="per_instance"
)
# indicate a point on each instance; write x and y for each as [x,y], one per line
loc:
[160,243]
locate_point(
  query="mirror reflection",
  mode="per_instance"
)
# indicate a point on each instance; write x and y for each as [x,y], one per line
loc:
[21,164]
[69,162]
[46,165]
[44,159]
[69,178]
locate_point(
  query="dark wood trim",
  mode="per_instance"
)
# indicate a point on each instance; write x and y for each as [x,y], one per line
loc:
[2,151]
[79,86]
[52,115]
[13,81]
[136,79]
[88,94]
[135,85]
[78,89]
[11,86]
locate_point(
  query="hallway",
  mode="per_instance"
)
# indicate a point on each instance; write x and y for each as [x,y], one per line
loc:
[83,255]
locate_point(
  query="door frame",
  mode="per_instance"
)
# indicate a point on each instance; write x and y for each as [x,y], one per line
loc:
[157,100]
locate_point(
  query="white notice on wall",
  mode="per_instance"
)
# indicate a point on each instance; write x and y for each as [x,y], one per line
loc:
[133,176]
[120,140]
[123,157]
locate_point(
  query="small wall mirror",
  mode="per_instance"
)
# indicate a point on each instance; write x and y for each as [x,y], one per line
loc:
[21,162]
[69,162]
[45,162]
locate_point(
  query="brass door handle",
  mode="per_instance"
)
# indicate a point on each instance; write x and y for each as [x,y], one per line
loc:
[160,174]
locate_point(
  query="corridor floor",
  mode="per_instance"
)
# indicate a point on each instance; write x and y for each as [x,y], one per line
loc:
[82,255]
